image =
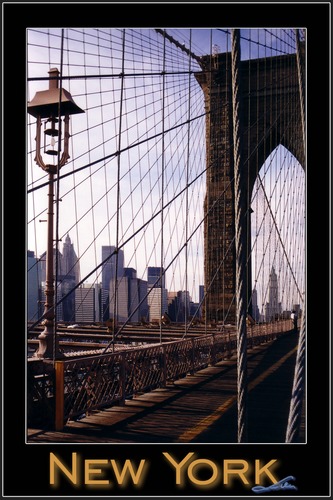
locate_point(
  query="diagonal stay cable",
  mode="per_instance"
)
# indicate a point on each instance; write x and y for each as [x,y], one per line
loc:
[279,235]
[116,153]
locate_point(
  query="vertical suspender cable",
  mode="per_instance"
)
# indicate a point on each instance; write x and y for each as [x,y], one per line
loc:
[55,339]
[240,241]
[209,128]
[295,411]
[187,300]
[296,403]
[162,190]
[115,291]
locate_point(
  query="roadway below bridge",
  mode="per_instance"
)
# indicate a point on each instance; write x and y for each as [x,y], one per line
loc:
[93,340]
[200,408]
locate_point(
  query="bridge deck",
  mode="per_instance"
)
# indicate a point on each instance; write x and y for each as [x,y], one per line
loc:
[199,408]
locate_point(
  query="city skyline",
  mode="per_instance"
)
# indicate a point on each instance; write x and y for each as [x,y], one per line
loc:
[151,278]
[131,312]
[133,300]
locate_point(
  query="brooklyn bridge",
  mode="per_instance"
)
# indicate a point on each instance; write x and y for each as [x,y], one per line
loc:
[166,292]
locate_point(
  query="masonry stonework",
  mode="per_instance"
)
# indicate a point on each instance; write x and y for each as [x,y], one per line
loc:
[271,115]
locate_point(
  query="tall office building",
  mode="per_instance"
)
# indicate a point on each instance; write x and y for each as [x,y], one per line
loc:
[103,304]
[118,299]
[57,262]
[153,275]
[70,265]
[137,296]
[113,267]
[201,293]
[143,300]
[179,306]
[201,300]
[131,302]
[34,306]
[158,295]
[59,312]
[158,303]
[114,263]
[64,264]
[255,308]
[69,278]
[273,306]
[66,268]
[85,303]
[133,294]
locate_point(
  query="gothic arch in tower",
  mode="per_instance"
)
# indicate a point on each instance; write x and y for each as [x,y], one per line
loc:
[271,115]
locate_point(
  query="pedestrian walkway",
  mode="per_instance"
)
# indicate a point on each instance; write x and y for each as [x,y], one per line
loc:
[200,408]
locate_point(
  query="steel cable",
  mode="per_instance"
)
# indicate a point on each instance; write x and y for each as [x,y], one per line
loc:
[240,243]
[295,411]
[296,403]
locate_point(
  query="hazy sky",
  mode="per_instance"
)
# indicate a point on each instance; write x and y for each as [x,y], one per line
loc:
[89,197]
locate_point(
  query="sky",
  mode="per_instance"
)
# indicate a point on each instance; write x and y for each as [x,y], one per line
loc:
[88,185]
[95,135]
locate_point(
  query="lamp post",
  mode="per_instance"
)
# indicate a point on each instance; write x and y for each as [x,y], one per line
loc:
[48,107]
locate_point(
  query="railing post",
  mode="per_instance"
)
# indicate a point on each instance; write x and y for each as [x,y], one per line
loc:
[250,336]
[122,375]
[59,395]
[164,361]
[229,344]
[213,351]
[193,357]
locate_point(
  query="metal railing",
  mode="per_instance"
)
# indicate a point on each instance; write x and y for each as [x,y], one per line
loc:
[65,389]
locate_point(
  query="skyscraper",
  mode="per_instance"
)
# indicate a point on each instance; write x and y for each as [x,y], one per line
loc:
[118,299]
[34,309]
[133,294]
[143,300]
[70,265]
[273,306]
[130,303]
[69,277]
[255,308]
[112,268]
[153,275]
[85,307]
[57,262]
[158,303]
[114,264]
[66,272]
[158,295]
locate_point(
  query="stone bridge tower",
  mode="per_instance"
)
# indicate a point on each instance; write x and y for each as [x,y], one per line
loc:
[272,105]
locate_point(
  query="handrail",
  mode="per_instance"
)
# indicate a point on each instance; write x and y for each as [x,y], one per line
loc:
[80,385]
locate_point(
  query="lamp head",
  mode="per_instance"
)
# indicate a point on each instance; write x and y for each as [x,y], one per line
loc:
[48,106]
[46,102]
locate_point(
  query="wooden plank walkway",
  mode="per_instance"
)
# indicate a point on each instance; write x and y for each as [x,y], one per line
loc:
[201,408]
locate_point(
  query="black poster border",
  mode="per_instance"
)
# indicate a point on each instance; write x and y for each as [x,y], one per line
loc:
[25,467]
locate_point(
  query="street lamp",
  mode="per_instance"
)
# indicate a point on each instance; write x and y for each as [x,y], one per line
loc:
[48,107]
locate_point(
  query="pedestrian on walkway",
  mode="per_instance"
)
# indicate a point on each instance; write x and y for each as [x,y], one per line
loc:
[293,318]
